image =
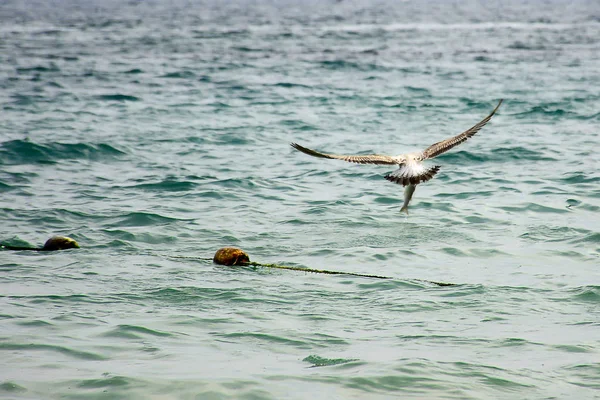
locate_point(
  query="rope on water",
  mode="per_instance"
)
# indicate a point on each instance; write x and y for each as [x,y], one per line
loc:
[277,266]
[229,256]
[52,244]
[232,256]
[316,271]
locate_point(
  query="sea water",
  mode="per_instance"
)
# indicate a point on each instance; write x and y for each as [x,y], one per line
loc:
[156,132]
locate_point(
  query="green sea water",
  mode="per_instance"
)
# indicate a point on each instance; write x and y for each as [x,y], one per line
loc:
[155,133]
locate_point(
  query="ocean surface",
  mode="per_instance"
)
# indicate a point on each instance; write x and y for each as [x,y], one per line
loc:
[156,132]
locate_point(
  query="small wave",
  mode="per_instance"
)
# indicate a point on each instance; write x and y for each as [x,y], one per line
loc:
[371,52]
[5,187]
[498,155]
[219,105]
[24,100]
[514,342]
[298,125]
[481,58]
[216,34]
[580,177]
[468,195]
[142,237]
[544,111]
[113,381]
[595,116]
[587,294]
[317,361]
[11,387]
[455,291]
[395,383]
[264,337]
[417,90]
[179,75]
[536,208]
[247,183]
[39,69]
[572,202]
[60,57]
[586,374]
[79,354]
[49,32]
[36,323]
[246,49]
[114,244]
[203,322]
[17,152]
[488,375]
[105,22]
[216,194]
[591,238]
[388,200]
[117,97]
[134,332]
[394,284]
[569,348]
[289,85]
[193,295]
[167,185]
[53,84]
[447,207]
[518,45]
[53,298]
[343,64]
[544,233]
[453,251]
[141,219]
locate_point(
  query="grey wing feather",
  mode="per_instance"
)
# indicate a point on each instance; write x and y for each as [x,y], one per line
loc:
[366,159]
[441,147]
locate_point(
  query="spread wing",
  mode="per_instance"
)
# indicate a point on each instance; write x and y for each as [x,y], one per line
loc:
[366,159]
[441,147]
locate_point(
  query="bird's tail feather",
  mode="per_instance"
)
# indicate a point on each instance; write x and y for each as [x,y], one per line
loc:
[405,176]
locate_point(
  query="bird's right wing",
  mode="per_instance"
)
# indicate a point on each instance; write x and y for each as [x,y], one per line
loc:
[359,159]
[441,147]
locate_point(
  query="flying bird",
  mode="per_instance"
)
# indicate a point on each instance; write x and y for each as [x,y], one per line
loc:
[411,170]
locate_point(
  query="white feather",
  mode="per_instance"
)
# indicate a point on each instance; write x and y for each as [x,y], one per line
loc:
[408,170]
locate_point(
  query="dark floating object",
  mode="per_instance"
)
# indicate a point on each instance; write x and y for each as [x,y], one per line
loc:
[52,244]
[60,243]
[231,256]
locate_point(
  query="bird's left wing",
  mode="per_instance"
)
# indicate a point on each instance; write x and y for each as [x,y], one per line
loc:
[441,147]
[359,159]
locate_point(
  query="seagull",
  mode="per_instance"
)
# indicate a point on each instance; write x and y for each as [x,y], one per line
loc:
[411,170]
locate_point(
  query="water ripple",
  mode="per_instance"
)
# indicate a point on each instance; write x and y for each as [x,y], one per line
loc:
[18,152]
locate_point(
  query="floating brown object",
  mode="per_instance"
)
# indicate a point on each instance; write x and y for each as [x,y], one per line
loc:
[52,244]
[230,256]
[60,243]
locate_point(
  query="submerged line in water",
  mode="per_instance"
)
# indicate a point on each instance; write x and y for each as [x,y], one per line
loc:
[229,256]
[316,271]
[328,272]
[313,270]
